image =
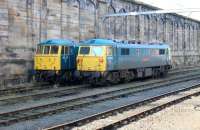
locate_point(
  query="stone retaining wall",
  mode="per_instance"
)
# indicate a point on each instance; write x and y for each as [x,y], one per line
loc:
[23,23]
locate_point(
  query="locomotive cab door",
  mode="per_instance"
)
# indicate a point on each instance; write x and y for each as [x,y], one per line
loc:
[168,56]
[111,53]
[65,57]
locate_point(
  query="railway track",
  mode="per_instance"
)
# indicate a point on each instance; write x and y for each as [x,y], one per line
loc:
[183,70]
[23,88]
[48,91]
[40,94]
[142,109]
[33,112]
[41,86]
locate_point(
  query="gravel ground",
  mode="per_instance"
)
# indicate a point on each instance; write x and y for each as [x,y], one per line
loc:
[183,116]
[178,117]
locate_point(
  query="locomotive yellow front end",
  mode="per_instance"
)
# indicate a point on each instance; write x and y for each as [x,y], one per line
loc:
[47,63]
[91,58]
[55,60]
[47,58]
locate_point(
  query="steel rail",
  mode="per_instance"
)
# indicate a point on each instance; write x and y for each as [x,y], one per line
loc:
[24,88]
[42,94]
[19,89]
[152,110]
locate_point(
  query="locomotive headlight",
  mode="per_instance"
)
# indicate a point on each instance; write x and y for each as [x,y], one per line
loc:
[101,60]
[79,61]
[57,72]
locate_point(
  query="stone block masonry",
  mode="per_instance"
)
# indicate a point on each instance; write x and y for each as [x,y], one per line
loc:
[24,23]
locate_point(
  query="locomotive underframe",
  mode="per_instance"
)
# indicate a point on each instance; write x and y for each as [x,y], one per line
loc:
[117,76]
[54,76]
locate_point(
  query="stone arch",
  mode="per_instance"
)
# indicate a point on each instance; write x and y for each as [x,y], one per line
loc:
[122,10]
[121,26]
[196,39]
[175,36]
[151,27]
[168,30]
[192,38]
[132,24]
[163,29]
[183,35]
[29,22]
[70,19]
[146,28]
[73,3]
[87,19]
[110,23]
[187,36]
[160,29]
[43,20]
[101,10]
[171,34]
[180,35]
[90,4]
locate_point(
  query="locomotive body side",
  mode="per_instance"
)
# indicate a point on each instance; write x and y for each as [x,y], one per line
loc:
[123,62]
[138,56]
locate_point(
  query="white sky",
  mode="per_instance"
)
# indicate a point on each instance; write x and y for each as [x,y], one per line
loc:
[176,4]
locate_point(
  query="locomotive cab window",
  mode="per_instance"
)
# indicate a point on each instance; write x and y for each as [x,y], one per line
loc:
[65,50]
[97,51]
[167,51]
[54,50]
[46,49]
[84,50]
[39,49]
[162,52]
[109,51]
[124,51]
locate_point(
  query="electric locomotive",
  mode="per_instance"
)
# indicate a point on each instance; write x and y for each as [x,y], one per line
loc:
[110,61]
[55,60]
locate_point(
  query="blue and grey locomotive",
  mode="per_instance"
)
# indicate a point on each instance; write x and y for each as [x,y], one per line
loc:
[103,60]
[55,60]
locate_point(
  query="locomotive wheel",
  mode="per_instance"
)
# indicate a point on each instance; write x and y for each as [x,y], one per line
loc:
[128,77]
[113,77]
[132,75]
[37,77]
[164,74]
[156,73]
